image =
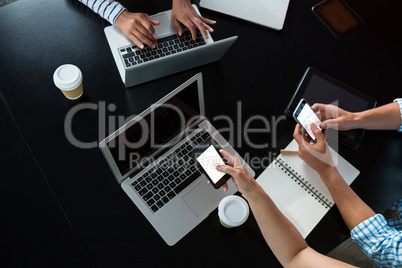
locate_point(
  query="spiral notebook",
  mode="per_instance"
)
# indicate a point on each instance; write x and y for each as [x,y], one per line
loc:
[297,189]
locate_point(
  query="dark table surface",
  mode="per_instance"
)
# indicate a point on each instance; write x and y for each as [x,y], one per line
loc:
[61,205]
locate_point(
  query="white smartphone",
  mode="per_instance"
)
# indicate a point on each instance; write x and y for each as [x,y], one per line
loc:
[305,116]
[208,157]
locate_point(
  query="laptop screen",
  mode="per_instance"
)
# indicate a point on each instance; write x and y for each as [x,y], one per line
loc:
[156,130]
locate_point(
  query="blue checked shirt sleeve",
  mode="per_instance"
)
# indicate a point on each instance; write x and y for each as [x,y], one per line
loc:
[397,222]
[399,100]
[107,9]
[379,241]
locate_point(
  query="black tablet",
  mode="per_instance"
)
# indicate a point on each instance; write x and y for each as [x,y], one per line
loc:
[317,87]
[338,16]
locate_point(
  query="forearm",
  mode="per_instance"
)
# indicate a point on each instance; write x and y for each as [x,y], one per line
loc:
[181,1]
[280,234]
[351,207]
[385,117]
[107,9]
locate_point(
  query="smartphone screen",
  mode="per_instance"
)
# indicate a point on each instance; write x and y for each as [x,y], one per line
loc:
[306,117]
[209,160]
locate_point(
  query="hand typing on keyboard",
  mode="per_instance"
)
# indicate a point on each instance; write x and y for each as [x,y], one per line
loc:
[138,27]
[183,12]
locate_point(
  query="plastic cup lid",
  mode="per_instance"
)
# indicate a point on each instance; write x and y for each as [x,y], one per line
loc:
[233,210]
[67,77]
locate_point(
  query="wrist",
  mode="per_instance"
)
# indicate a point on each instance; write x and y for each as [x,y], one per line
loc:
[182,1]
[329,174]
[253,191]
[119,19]
[359,120]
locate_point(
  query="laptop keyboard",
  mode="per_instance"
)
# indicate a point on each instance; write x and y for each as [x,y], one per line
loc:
[173,174]
[133,55]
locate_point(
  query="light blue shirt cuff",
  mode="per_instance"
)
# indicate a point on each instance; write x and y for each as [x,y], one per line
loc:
[399,100]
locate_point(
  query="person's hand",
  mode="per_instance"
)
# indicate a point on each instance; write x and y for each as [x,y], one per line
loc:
[138,27]
[242,179]
[334,117]
[184,13]
[316,155]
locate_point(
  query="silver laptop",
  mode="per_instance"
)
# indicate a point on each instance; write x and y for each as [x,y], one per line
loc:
[172,54]
[268,13]
[150,157]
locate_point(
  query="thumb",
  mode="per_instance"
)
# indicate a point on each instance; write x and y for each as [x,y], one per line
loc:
[152,20]
[318,133]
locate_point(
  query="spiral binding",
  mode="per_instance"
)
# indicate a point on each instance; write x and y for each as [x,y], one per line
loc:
[303,183]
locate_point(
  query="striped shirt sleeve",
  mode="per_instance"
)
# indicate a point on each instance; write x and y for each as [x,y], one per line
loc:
[378,241]
[107,9]
[399,100]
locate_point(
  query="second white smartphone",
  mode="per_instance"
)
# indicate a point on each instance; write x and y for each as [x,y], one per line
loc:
[305,116]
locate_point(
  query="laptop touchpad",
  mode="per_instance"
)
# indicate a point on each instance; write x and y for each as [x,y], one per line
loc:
[164,28]
[203,199]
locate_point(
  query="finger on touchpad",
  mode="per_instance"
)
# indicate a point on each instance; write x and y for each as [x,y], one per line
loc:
[165,27]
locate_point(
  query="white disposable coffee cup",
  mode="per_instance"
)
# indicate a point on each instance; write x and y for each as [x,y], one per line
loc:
[68,78]
[233,211]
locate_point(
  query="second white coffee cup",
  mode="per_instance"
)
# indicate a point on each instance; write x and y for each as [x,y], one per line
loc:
[233,211]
